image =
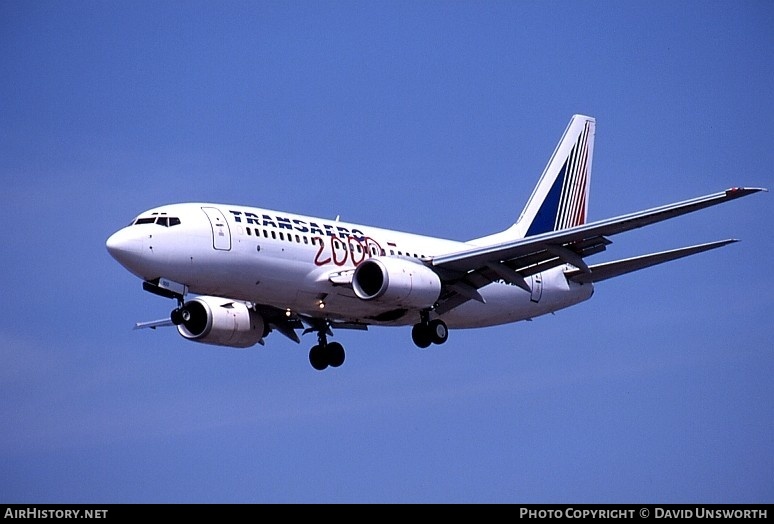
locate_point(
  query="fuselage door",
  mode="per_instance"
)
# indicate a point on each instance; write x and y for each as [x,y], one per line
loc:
[537,287]
[221,234]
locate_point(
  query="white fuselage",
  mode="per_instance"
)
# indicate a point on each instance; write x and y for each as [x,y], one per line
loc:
[286,261]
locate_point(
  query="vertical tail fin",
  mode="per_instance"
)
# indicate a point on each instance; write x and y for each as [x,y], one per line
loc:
[561,198]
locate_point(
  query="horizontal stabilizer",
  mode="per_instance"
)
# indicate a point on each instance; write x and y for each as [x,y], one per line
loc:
[608,270]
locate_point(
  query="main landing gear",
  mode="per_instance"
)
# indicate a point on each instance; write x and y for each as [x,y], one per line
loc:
[429,331]
[326,354]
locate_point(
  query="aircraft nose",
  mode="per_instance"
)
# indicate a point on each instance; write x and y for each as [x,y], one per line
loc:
[125,247]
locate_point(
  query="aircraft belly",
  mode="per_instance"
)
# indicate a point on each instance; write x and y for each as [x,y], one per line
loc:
[246,273]
[264,277]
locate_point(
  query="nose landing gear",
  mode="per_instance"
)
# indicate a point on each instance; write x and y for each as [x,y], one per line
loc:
[180,315]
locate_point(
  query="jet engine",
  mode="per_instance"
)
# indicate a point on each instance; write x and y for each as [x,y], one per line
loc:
[219,321]
[398,282]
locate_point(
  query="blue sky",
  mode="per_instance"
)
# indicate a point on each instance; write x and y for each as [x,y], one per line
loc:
[430,117]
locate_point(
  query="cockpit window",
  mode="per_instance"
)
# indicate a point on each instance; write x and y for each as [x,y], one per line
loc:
[160,220]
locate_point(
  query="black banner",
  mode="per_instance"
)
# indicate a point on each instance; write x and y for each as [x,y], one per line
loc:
[520,511]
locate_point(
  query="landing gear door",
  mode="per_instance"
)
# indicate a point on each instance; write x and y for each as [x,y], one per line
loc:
[221,234]
[537,287]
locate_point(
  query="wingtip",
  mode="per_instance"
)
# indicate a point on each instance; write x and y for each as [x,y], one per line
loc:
[718,243]
[742,191]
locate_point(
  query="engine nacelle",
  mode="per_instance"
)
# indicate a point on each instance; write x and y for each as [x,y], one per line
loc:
[398,282]
[222,322]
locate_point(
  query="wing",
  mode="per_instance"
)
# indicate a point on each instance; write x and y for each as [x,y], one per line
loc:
[464,272]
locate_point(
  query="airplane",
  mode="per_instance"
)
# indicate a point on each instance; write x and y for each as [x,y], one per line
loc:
[253,271]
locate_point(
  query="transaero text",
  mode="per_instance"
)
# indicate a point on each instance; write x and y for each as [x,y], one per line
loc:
[294,224]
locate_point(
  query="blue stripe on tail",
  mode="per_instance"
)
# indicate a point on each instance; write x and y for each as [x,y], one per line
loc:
[545,220]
